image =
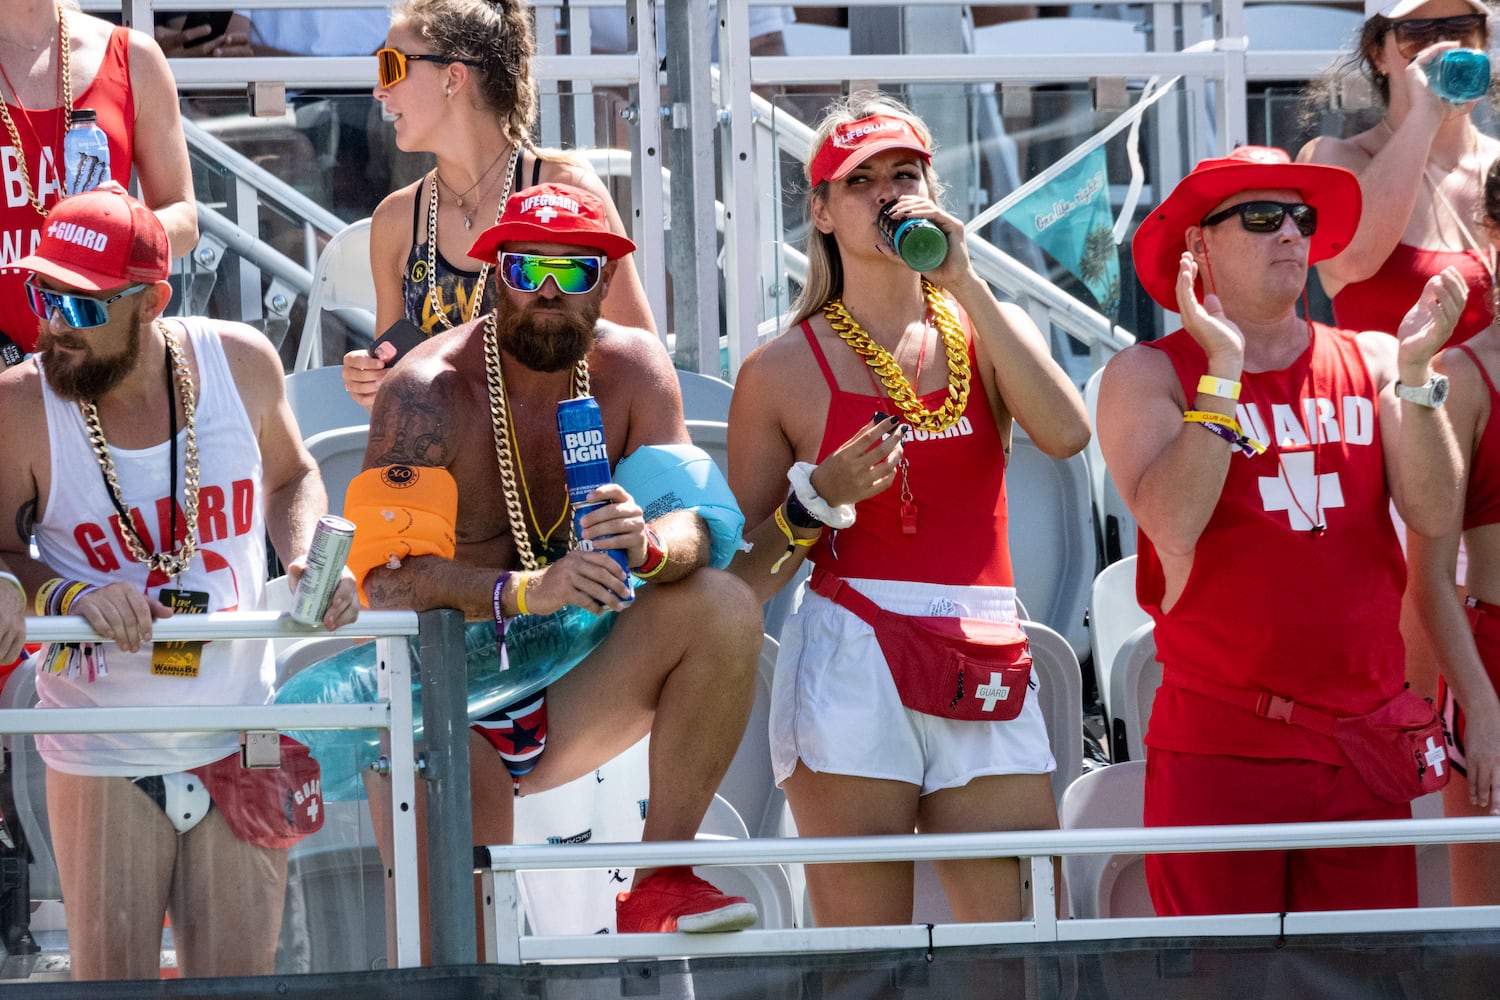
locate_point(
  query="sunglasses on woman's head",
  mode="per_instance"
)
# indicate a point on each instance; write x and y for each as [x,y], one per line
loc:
[1267,216]
[1415,34]
[78,311]
[525,272]
[392,64]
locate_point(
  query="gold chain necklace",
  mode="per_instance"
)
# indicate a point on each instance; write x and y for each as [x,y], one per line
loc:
[477,295]
[505,447]
[884,365]
[171,563]
[65,76]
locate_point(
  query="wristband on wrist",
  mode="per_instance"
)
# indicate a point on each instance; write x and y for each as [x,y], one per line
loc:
[522,579]
[1212,385]
[800,476]
[44,594]
[792,541]
[656,556]
[76,589]
[1224,427]
[17,581]
[500,610]
[797,514]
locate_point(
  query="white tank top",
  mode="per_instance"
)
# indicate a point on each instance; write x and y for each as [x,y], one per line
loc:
[78,536]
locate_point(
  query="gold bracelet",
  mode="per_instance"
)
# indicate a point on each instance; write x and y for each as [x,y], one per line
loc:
[522,579]
[792,541]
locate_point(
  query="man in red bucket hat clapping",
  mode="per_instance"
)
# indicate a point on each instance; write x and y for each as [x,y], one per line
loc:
[1260,453]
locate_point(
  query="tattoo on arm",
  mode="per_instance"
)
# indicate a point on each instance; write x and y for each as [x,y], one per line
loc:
[26,520]
[411,430]
[389,590]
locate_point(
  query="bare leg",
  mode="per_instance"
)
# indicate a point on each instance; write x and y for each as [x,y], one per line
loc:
[1474,868]
[681,665]
[115,851]
[837,805]
[981,889]
[226,902]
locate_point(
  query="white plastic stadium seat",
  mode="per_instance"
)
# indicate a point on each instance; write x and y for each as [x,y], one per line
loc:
[713,437]
[342,281]
[340,454]
[1107,885]
[704,397]
[1113,616]
[320,402]
[1115,524]
[1052,538]
[1133,681]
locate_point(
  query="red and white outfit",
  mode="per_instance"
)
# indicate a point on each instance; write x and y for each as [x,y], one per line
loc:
[834,705]
[1380,301]
[78,535]
[41,134]
[1270,605]
[1481,508]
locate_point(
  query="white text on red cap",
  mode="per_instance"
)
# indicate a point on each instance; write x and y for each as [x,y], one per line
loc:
[851,138]
[72,232]
[550,201]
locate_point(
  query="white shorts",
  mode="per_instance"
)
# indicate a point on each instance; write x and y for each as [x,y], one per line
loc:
[835,707]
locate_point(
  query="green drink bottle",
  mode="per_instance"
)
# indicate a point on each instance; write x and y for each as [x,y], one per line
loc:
[918,242]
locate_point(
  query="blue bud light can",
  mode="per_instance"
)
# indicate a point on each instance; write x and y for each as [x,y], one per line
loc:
[580,426]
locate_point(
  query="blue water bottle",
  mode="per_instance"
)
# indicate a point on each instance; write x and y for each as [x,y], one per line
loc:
[85,153]
[586,462]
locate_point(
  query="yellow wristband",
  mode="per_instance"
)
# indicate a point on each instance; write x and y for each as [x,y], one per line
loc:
[792,541]
[522,580]
[44,592]
[1214,386]
[1206,417]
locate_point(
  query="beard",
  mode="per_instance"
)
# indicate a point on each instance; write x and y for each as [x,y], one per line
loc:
[549,338]
[89,377]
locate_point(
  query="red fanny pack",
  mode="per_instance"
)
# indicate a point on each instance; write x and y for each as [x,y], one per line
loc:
[1398,749]
[268,806]
[955,668]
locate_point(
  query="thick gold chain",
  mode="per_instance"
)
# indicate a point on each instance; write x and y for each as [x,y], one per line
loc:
[884,365]
[66,76]
[175,563]
[477,293]
[505,444]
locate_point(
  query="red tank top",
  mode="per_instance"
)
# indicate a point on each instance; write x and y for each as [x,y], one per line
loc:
[1482,501]
[1268,605]
[41,136]
[957,481]
[1382,300]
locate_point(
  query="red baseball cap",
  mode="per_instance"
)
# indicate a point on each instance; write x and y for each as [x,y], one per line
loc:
[855,142]
[1162,235]
[100,240]
[553,213]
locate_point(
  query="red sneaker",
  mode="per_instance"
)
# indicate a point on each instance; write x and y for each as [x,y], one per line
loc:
[674,899]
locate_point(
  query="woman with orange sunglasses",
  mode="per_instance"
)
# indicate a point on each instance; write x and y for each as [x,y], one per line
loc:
[455,77]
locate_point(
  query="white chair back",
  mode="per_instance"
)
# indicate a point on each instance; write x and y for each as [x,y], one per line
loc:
[1113,616]
[340,454]
[1133,681]
[1107,885]
[342,281]
[320,402]
[704,397]
[1052,538]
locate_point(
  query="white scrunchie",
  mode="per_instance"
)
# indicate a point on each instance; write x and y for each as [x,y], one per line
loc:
[800,476]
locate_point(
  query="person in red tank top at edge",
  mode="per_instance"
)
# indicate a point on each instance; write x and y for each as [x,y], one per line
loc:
[1423,163]
[1260,453]
[921,523]
[1468,631]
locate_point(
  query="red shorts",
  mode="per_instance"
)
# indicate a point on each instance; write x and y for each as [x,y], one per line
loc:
[1484,619]
[1185,789]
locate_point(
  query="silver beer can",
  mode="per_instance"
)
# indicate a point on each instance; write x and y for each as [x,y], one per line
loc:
[325,561]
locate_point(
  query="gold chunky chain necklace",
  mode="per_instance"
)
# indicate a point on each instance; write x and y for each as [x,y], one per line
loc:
[477,294]
[884,365]
[65,78]
[171,563]
[505,446]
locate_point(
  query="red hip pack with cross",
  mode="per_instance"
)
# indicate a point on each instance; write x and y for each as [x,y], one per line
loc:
[268,806]
[1398,749]
[954,668]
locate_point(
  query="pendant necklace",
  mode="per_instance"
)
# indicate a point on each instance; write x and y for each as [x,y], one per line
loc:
[469,215]
[908,508]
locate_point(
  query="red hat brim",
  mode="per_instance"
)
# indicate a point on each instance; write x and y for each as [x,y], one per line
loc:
[1162,236]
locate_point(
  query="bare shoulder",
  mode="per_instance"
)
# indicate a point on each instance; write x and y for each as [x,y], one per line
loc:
[1353,153]
[423,404]
[1137,370]
[395,210]
[21,410]
[560,167]
[631,353]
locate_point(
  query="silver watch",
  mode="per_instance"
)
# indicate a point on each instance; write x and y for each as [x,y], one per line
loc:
[1432,394]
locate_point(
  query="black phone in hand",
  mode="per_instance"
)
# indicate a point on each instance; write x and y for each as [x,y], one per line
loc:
[393,345]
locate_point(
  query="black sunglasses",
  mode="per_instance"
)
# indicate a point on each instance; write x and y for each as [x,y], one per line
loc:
[1267,216]
[1415,34]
